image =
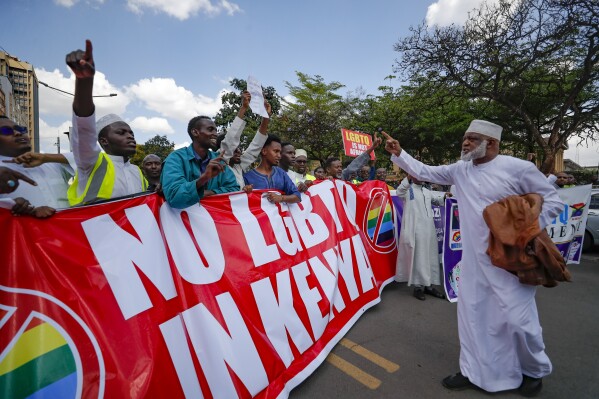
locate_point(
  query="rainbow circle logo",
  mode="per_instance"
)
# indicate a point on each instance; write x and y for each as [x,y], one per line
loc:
[46,350]
[456,237]
[378,221]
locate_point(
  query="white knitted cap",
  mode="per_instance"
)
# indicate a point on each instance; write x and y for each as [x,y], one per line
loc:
[107,120]
[300,153]
[485,128]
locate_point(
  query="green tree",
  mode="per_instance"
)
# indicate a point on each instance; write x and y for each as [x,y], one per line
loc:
[428,122]
[535,61]
[232,102]
[314,118]
[158,145]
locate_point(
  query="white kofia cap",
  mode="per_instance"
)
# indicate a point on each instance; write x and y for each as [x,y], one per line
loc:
[300,153]
[485,128]
[107,120]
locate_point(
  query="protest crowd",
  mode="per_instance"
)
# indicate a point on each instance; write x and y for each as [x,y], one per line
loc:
[501,341]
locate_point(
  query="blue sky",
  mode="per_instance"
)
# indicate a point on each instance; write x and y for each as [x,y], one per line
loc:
[169,60]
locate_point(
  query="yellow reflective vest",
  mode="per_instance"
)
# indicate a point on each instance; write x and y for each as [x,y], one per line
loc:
[99,184]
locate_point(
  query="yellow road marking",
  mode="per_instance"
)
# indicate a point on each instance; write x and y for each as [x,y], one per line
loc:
[373,357]
[354,372]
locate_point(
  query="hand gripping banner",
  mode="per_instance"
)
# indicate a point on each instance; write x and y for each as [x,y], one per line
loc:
[236,297]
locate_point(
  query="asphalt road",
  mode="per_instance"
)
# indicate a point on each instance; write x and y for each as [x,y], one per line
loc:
[421,338]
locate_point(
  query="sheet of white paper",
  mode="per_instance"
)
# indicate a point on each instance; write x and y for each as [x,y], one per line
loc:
[257,102]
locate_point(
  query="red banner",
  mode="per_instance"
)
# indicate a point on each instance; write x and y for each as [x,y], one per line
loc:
[355,143]
[237,297]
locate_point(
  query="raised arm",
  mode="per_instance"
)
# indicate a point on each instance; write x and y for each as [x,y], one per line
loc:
[82,65]
[84,138]
[361,159]
[251,153]
[434,174]
[233,136]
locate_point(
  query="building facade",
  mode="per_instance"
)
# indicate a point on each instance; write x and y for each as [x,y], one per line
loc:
[20,94]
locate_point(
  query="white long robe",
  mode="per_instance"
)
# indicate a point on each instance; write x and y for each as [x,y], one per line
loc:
[417,249]
[498,323]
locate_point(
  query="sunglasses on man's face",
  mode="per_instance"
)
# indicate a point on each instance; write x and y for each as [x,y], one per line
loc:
[10,130]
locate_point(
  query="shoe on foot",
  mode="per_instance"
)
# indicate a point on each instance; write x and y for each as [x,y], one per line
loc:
[530,386]
[457,382]
[419,294]
[434,292]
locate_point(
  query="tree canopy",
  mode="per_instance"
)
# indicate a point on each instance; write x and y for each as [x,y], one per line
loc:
[534,60]
[314,118]
[158,145]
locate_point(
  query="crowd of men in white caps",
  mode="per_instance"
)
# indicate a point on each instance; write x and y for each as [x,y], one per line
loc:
[491,299]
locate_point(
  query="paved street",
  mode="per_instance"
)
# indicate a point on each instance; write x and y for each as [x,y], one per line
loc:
[421,338]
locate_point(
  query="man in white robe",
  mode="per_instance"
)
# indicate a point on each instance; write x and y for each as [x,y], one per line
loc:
[417,249]
[501,342]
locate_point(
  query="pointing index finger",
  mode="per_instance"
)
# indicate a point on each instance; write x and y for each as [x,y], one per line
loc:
[386,135]
[21,176]
[88,50]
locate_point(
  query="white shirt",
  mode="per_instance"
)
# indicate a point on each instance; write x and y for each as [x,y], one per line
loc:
[417,251]
[498,324]
[231,142]
[52,183]
[84,141]
[293,176]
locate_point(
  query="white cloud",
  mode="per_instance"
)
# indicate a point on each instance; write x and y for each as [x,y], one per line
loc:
[151,125]
[66,3]
[71,3]
[290,99]
[49,134]
[446,12]
[183,144]
[162,95]
[53,102]
[183,9]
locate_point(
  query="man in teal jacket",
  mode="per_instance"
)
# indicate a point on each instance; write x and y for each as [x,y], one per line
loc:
[192,173]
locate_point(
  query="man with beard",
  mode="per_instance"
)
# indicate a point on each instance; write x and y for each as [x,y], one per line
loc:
[501,342]
[269,176]
[100,174]
[46,176]
[151,166]
[192,173]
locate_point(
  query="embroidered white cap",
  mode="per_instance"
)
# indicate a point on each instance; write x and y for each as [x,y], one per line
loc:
[107,120]
[301,153]
[485,128]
